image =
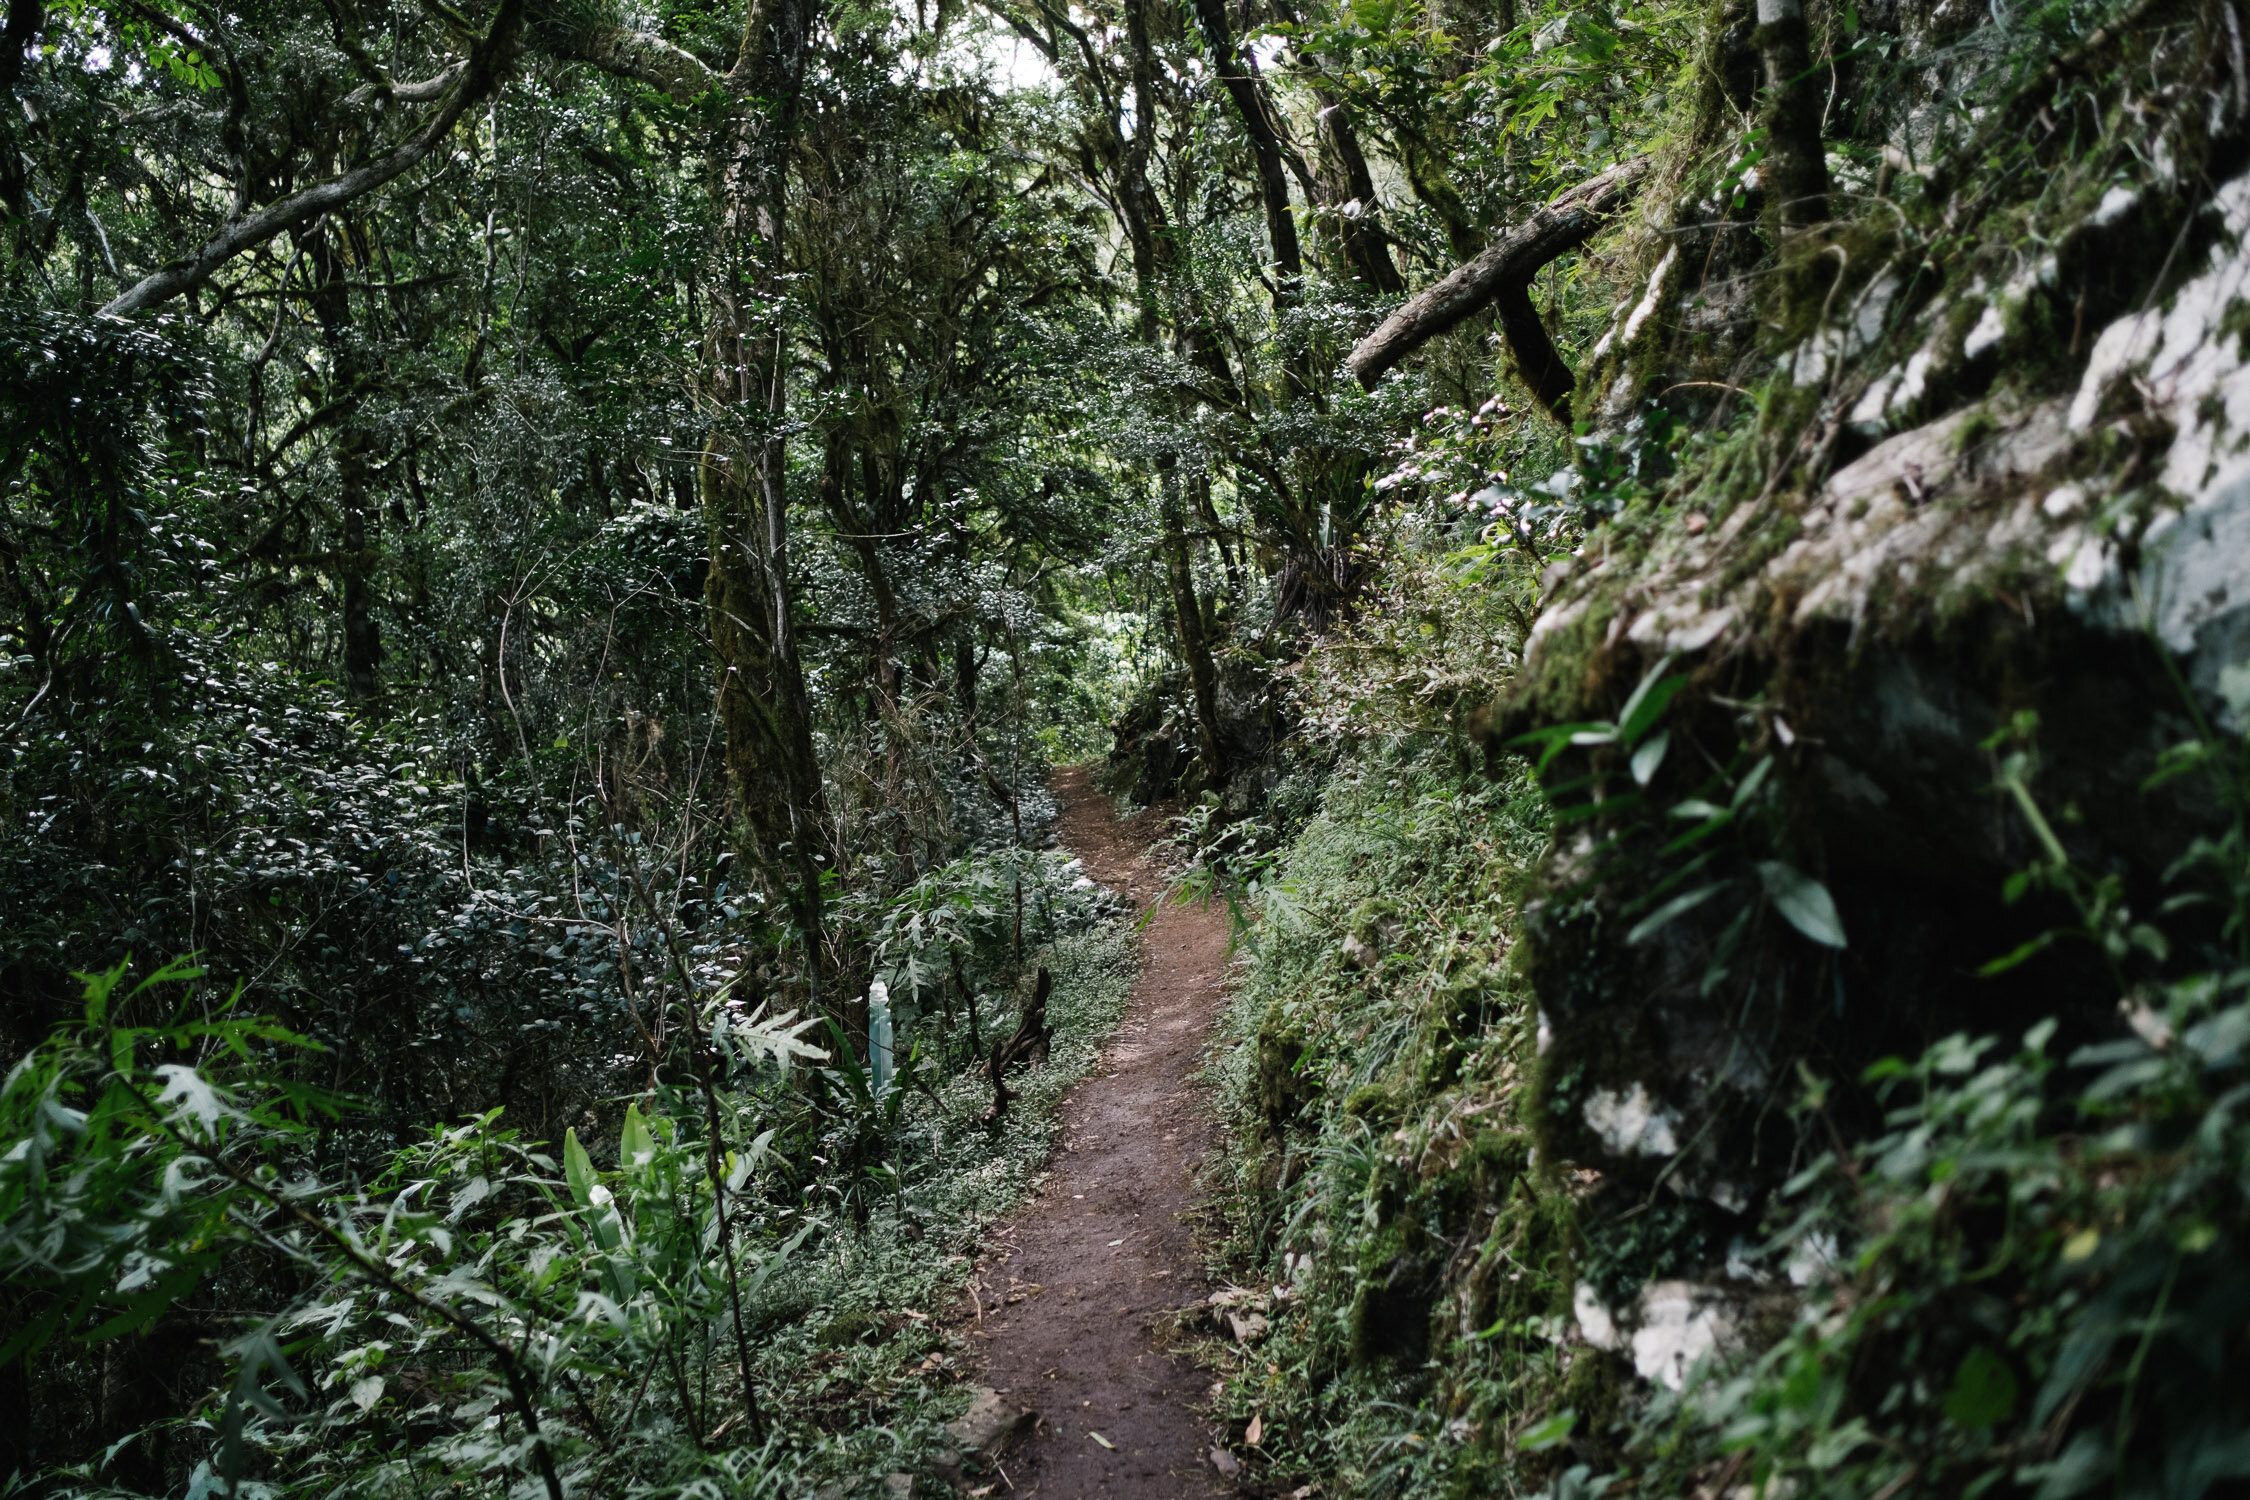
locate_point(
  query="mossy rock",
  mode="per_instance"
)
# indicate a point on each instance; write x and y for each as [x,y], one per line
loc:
[1595,1388]
[852,1326]
[1498,1158]
[1283,1090]
[1373,922]
[1389,1320]
[1459,1011]
[1373,1103]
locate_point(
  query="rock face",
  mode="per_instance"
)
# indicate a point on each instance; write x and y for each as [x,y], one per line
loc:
[2059,526]
[983,1433]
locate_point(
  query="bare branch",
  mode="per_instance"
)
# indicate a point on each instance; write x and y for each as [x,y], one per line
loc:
[642,57]
[423,92]
[1511,260]
[479,78]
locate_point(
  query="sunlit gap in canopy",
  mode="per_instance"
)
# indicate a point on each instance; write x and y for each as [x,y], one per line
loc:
[977,45]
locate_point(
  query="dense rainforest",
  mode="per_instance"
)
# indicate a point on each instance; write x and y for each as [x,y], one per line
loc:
[1679,570]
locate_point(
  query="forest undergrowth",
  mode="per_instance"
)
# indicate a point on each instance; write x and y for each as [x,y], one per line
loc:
[441,1292]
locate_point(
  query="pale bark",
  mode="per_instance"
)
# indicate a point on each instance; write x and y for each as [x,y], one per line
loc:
[644,58]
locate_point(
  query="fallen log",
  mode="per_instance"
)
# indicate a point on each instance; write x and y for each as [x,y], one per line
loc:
[1502,272]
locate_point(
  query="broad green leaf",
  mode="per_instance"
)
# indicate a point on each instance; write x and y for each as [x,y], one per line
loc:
[471,1193]
[1551,1433]
[1696,807]
[593,1305]
[1648,702]
[1984,1391]
[1556,738]
[1804,901]
[740,1167]
[1753,781]
[578,1168]
[98,989]
[1650,756]
[636,1148]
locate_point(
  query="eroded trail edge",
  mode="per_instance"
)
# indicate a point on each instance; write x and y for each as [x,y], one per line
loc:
[1072,1292]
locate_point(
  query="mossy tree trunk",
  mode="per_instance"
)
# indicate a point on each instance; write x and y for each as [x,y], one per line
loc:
[762,700]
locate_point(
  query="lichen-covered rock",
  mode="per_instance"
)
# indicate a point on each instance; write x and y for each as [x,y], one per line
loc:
[1973,503]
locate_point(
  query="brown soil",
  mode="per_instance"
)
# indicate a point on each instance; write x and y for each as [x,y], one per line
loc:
[1071,1294]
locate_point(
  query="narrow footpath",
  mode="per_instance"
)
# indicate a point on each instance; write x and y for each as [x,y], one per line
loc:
[1071,1294]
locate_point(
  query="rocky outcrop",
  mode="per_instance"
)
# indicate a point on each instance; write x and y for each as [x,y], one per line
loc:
[1994,506]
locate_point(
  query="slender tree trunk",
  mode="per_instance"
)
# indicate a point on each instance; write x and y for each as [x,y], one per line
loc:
[1323,514]
[1797,167]
[356,550]
[861,525]
[1424,163]
[1202,490]
[1195,646]
[762,702]
[1350,190]
[363,638]
[1139,202]
[1256,113]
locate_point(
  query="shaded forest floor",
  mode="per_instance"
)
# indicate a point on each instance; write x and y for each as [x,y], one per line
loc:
[1073,1298]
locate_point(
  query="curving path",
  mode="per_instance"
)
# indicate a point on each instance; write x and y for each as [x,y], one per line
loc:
[1070,1294]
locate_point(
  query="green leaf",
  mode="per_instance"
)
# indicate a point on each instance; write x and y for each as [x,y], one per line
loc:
[636,1148]
[1650,756]
[1649,700]
[774,1261]
[2083,1465]
[1551,1433]
[1655,921]
[98,988]
[1554,739]
[578,1167]
[2007,961]
[1751,782]
[1984,1391]
[1804,901]
[1696,807]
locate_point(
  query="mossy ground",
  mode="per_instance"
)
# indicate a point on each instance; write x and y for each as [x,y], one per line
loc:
[1387,1207]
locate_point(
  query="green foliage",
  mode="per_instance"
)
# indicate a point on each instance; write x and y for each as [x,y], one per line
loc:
[1384,1081]
[112,1204]
[474,1278]
[2027,1281]
[2037,1287]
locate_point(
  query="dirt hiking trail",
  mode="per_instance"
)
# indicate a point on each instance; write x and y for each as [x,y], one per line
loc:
[1072,1291]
